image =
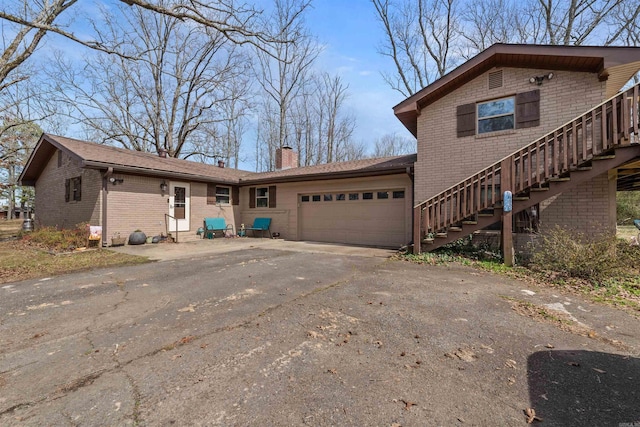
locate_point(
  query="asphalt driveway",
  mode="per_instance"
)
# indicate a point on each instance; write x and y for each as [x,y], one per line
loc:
[277,337]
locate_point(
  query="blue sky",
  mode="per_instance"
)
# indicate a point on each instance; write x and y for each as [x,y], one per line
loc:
[350,34]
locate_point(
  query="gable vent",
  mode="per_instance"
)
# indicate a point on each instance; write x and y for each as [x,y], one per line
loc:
[495,79]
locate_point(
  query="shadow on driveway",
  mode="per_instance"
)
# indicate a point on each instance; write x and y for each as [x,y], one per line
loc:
[584,388]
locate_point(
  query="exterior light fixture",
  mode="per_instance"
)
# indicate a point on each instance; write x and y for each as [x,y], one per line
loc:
[163,187]
[539,79]
[115,181]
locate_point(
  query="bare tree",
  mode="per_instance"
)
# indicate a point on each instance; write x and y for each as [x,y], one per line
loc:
[393,145]
[27,22]
[282,75]
[418,37]
[425,38]
[171,100]
[16,144]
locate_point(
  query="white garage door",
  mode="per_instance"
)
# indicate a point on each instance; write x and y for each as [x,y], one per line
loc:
[375,218]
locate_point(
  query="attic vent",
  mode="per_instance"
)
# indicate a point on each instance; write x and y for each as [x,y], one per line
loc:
[495,79]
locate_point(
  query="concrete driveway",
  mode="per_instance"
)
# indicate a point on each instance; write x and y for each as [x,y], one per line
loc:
[273,336]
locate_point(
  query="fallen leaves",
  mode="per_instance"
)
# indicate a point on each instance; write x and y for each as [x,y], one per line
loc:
[531,415]
[463,354]
[188,309]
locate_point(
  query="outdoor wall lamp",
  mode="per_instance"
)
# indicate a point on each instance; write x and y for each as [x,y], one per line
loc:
[539,79]
[163,187]
[115,181]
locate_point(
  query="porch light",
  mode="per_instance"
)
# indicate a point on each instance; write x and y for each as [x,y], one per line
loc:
[115,181]
[163,187]
[539,79]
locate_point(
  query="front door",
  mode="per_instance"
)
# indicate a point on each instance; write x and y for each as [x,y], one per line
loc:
[179,206]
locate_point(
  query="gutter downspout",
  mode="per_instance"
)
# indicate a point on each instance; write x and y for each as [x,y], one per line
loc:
[105,194]
[413,216]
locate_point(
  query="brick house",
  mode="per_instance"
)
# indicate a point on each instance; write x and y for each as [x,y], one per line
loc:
[532,120]
[538,121]
[366,201]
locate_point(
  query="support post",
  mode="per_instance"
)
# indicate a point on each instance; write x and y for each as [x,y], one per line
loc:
[417,239]
[506,180]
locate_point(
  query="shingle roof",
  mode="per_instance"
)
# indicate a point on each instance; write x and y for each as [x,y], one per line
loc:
[99,156]
[375,166]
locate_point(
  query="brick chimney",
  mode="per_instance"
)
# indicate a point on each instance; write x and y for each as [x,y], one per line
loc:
[286,158]
[162,153]
[220,163]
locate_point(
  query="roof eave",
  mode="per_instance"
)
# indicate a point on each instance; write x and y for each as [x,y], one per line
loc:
[154,172]
[327,176]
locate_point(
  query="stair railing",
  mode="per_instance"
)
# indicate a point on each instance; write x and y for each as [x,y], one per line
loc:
[613,123]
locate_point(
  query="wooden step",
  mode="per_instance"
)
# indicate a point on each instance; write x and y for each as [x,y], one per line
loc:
[520,198]
[605,157]
[558,179]
[539,189]
[469,222]
[441,235]
[486,214]
[428,240]
[585,168]
[455,228]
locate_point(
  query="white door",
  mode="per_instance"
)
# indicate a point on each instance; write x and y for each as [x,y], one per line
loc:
[179,206]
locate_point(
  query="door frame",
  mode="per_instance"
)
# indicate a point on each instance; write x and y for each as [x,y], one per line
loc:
[185,223]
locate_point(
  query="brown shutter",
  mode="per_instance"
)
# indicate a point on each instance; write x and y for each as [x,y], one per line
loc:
[211,194]
[252,197]
[528,109]
[78,189]
[235,195]
[272,196]
[67,189]
[466,120]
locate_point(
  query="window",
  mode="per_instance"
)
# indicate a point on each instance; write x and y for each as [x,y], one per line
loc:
[223,195]
[315,198]
[367,196]
[262,197]
[354,196]
[496,115]
[328,197]
[340,196]
[218,195]
[73,189]
[383,194]
[305,198]
[398,194]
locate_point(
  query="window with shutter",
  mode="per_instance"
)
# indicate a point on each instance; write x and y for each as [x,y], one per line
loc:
[211,194]
[252,197]
[466,120]
[528,109]
[272,196]
[496,115]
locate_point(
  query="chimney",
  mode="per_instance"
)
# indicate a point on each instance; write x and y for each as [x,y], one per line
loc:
[162,153]
[220,163]
[286,158]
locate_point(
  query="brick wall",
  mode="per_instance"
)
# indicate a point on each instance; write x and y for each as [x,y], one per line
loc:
[138,203]
[52,209]
[444,159]
[589,208]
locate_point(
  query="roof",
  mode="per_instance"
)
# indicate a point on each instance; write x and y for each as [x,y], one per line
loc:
[98,156]
[354,168]
[613,64]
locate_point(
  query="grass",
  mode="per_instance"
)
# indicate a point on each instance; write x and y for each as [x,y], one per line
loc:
[46,252]
[620,288]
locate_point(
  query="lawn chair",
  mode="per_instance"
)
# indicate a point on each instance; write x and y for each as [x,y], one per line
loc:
[211,225]
[262,225]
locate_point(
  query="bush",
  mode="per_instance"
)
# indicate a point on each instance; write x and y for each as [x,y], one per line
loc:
[572,254]
[58,240]
[627,207]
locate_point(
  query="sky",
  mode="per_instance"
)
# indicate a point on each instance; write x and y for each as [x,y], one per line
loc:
[350,34]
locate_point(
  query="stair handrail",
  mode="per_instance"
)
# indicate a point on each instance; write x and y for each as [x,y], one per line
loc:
[560,137]
[634,88]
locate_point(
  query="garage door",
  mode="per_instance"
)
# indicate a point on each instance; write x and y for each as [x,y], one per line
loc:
[375,218]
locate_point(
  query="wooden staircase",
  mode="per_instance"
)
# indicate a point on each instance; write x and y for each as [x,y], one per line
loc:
[602,139]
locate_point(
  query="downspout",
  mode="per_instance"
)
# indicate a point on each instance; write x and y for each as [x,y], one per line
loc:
[105,193]
[413,216]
